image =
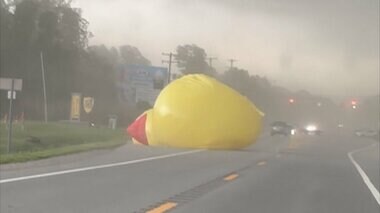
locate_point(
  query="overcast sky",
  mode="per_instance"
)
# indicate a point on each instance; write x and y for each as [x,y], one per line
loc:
[328,47]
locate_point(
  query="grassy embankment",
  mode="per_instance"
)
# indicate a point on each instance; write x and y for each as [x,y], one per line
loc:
[38,140]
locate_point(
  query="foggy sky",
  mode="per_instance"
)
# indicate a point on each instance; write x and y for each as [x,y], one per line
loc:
[329,47]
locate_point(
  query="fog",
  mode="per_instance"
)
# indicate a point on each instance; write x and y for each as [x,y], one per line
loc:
[327,47]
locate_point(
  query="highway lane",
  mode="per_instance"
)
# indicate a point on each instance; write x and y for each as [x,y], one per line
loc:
[98,157]
[302,174]
[315,177]
[116,189]
[367,159]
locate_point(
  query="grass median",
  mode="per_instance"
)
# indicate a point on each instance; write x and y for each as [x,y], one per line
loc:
[36,140]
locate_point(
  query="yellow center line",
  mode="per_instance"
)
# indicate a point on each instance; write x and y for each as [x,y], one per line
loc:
[163,208]
[261,163]
[231,177]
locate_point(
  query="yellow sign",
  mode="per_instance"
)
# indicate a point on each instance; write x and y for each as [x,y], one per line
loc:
[88,104]
[75,106]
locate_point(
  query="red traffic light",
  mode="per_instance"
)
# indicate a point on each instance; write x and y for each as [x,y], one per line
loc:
[291,100]
[354,104]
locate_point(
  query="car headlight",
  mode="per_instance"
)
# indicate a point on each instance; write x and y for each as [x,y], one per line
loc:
[293,132]
[276,128]
[311,128]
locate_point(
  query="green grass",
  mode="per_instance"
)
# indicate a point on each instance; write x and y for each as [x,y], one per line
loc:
[55,139]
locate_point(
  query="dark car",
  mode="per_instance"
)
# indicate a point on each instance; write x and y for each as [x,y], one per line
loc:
[281,128]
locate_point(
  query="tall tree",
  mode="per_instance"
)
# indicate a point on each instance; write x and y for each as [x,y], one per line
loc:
[53,27]
[238,79]
[132,55]
[6,26]
[98,74]
[192,59]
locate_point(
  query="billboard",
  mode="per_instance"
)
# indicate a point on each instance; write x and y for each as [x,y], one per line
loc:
[141,83]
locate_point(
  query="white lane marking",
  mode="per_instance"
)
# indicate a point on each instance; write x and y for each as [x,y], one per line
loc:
[366,179]
[97,167]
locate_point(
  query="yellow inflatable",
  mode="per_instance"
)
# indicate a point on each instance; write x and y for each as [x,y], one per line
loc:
[197,111]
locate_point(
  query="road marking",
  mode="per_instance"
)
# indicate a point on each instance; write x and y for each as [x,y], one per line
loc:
[97,167]
[261,163]
[364,176]
[163,208]
[231,177]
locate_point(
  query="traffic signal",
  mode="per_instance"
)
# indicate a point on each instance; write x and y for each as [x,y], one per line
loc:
[291,100]
[354,104]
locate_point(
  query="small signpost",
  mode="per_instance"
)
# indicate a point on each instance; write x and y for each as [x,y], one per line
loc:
[12,85]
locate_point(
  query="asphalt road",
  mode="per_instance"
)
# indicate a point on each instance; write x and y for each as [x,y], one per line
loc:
[302,174]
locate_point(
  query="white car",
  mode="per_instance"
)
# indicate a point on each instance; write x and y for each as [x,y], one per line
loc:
[311,129]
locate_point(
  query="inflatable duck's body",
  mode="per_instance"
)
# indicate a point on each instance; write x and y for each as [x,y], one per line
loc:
[197,111]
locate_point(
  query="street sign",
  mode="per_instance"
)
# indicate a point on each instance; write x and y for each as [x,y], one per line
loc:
[12,96]
[6,84]
[11,85]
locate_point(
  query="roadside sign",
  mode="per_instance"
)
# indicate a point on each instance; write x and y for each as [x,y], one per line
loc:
[75,106]
[6,84]
[88,104]
[12,96]
[11,85]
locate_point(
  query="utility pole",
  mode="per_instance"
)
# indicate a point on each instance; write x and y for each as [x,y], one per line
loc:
[10,117]
[44,86]
[210,59]
[170,61]
[232,62]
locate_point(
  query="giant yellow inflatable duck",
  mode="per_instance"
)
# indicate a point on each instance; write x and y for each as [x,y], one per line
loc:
[197,111]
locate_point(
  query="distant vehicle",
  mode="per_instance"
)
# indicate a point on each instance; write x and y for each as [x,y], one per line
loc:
[366,133]
[311,129]
[282,128]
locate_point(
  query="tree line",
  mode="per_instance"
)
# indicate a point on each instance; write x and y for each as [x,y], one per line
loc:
[53,34]
[56,31]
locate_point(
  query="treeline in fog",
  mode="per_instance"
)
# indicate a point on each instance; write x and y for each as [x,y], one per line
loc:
[56,32]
